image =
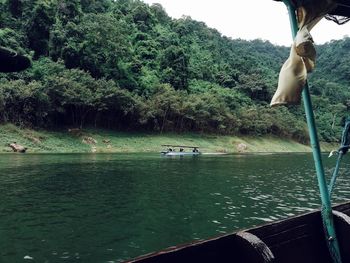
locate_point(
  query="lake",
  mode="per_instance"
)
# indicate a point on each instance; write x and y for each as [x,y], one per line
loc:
[112,207]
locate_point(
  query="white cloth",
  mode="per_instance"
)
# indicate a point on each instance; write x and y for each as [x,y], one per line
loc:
[302,57]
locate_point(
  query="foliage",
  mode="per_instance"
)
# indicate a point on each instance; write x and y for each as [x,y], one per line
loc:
[23,103]
[126,65]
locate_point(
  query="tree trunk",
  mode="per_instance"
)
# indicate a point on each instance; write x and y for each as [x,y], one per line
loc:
[164,120]
[333,122]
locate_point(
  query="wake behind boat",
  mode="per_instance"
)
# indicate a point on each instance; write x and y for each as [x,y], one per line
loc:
[180,153]
[180,150]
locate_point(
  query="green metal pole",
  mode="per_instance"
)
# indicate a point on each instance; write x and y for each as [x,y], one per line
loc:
[327,216]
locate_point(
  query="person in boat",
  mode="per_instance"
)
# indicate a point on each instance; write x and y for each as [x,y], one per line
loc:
[195,150]
[181,149]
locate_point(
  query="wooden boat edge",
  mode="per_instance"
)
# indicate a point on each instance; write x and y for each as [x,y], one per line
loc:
[279,237]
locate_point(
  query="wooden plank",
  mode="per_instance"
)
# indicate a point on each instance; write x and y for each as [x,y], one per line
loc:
[241,247]
[297,239]
[342,226]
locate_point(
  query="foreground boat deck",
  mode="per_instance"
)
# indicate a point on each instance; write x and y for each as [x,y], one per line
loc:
[295,240]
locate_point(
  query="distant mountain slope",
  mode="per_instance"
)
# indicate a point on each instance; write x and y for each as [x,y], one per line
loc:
[129,66]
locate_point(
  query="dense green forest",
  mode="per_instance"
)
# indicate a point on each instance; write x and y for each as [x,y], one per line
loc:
[128,66]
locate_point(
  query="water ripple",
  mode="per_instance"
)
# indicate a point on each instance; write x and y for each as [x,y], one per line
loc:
[108,208]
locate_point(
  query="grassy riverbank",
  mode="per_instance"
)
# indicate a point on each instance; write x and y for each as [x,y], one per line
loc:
[111,141]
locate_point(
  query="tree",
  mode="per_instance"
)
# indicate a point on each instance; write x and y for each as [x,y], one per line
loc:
[24,104]
[97,44]
[39,25]
[72,93]
[69,11]
[12,39]
[95,6]
[15,7]
[174,65]
[160,13]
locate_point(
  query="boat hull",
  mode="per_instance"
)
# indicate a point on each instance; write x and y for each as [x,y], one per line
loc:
[298,239]
[180,153]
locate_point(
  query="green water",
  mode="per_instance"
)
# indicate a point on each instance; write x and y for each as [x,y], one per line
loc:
[112,207]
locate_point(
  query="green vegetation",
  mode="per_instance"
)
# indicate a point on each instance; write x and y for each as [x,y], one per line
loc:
[108,141]
[127,66]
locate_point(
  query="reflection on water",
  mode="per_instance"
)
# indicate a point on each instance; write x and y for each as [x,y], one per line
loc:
[110,207]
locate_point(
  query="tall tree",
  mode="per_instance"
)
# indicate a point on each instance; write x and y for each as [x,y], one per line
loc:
[39,25]
[174,65]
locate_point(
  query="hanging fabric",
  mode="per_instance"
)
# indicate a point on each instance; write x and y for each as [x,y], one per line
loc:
[302,58]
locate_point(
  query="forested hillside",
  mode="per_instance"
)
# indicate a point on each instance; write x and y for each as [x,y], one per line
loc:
[126,65]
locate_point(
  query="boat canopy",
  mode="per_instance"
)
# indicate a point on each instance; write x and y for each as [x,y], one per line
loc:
[181,146]
[342,9]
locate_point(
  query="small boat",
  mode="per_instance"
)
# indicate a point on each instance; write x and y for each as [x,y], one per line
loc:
[171,150]
[181,153]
